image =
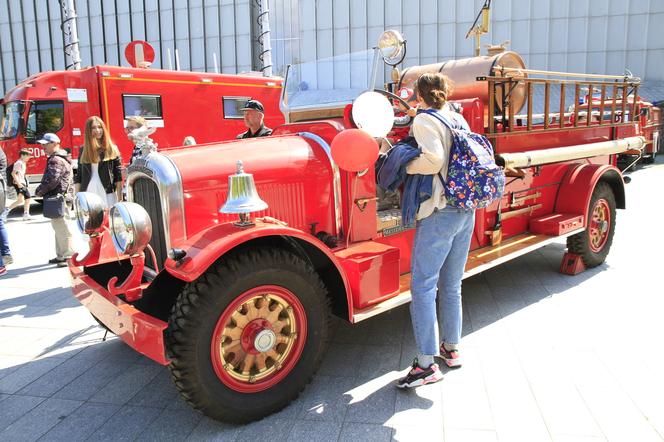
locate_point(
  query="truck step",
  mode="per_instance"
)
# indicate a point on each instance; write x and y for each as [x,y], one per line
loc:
[478,261]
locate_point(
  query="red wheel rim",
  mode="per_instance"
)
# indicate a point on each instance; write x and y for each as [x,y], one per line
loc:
[599,226]
[258,339]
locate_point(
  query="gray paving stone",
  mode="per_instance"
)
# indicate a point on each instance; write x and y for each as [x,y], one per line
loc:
[376,407]
[353,432]
[13,407]
[341,359]
[126,383]
[419,431]
[58,377]
[172,425]
[34,424]
[27,373]
[211,430]
[93,380]
[326,398]
[378,360]
[126,424]
[320,431]
[269,428]
[81,423]
[160,392]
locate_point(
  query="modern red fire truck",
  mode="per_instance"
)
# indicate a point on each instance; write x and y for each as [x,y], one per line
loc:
[230,257]
[178,103]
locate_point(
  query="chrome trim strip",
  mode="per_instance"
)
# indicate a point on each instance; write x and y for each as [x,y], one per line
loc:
[165,174]
[336,185]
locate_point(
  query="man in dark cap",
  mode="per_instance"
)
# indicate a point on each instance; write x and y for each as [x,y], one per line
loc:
[253,119]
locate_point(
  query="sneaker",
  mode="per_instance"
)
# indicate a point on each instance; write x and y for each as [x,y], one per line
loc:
[56,260]
[27,217]
[451,357]
[3,270]
[7,259]
[420,376]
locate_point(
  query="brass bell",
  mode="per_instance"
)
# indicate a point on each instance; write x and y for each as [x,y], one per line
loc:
[242,198]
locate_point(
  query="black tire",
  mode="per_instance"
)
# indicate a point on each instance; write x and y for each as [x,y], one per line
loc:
[202,303]
[580,243]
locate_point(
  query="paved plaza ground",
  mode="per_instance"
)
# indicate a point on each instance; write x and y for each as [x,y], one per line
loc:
[547,357]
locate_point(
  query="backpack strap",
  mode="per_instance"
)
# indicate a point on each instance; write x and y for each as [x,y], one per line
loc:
[447,124]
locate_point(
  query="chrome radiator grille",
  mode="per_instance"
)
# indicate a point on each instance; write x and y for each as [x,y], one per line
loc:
[146,193]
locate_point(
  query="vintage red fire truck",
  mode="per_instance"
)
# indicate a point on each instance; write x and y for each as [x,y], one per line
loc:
[179,103]
[230,257]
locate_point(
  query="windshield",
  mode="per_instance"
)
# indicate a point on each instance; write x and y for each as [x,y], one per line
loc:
[10,120]
[329,81]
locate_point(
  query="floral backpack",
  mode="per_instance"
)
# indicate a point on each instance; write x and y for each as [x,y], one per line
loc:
[473,178]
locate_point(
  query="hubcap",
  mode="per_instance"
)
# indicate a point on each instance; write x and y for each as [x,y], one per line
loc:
[258,338]
[265,340]
[600,221]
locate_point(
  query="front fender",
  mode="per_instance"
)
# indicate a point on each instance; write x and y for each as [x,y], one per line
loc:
[579,183]
[207,246]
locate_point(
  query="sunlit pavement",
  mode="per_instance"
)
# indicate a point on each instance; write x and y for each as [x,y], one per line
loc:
[547,357]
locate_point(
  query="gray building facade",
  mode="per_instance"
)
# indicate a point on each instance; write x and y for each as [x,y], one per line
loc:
[593,36]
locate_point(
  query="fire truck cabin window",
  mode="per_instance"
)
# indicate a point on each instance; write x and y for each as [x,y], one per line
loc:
[146,106]
[44,117]
[233,106]
[10,120]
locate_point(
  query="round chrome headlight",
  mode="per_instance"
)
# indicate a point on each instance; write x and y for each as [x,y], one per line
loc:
[90,212]
[131,227]
[392,47]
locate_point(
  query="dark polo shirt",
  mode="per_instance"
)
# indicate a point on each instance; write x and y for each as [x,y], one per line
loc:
[262,132]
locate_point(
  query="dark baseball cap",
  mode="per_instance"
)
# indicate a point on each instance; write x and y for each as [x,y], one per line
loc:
[254,105]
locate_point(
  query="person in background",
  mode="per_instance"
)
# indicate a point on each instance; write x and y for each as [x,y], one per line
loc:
[21,184]
[134,123]
[57,180]
[189,141]
[99,165]
[442,240]
[254,114]
[4,239]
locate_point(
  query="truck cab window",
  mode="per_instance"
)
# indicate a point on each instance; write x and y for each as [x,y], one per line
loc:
[44,117]
[146,106]
[11,117]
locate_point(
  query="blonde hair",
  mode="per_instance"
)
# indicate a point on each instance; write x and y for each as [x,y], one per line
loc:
[93,148]
[138,120]
[434,89]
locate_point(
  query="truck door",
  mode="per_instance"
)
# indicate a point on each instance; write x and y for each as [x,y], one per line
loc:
[43,117]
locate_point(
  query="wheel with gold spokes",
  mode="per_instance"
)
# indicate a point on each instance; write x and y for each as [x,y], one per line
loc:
[595,242]
[248,335]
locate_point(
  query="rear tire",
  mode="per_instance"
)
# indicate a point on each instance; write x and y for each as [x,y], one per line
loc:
[594,243]
[248,335]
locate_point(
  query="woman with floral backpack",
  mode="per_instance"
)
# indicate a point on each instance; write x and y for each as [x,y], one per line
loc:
[442,239]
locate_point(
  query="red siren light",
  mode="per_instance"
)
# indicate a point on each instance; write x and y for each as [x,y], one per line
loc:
[354,150]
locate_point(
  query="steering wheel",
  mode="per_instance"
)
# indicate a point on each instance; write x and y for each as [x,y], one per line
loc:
[402,102]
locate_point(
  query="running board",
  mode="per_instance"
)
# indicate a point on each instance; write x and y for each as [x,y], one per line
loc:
[478,261]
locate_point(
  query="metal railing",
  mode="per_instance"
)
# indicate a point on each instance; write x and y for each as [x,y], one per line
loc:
[617,99]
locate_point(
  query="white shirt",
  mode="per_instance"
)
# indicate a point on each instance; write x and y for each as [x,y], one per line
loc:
[19,169]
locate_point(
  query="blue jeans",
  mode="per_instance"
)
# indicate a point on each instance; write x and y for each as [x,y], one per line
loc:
[4,239]
[440,251]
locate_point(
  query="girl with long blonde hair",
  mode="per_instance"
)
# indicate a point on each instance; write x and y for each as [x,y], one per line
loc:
[99,164]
